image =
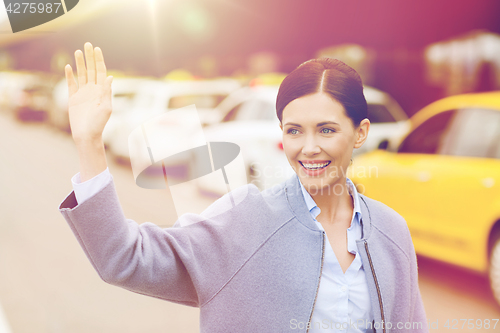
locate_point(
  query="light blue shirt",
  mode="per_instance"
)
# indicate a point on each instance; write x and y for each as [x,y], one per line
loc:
[343,301]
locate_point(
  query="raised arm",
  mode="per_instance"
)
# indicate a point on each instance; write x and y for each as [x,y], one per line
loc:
[145,259]
[89,109]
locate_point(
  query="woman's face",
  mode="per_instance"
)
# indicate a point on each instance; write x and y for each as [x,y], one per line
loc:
[318,140]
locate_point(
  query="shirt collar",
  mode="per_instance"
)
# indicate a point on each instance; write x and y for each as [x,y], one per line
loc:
[315,210]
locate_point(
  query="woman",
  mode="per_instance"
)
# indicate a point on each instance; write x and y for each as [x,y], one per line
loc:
[308,255]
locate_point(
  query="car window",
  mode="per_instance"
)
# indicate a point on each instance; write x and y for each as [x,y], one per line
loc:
[267,111]
[378,113]
[254,109]
[474,133]
[201,101]
[496,150]
[429,136]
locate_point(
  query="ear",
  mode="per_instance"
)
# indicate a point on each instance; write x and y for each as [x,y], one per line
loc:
[281,126]
[361,132]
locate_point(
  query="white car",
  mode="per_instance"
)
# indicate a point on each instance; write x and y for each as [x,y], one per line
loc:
[124,100]
[58,115]
[388,121]
[249,120]
[26,94]
[160,96]
[124,91]
[156,97]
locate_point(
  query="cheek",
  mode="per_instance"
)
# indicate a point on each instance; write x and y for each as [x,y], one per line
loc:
[338,146]
[291,148]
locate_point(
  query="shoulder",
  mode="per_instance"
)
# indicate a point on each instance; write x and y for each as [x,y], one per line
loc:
[386,221]
[379,209]
[239,199]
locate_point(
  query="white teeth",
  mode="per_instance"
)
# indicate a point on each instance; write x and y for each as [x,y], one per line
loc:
[315,166]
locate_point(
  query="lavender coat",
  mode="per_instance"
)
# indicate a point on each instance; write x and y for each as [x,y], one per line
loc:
[254,268]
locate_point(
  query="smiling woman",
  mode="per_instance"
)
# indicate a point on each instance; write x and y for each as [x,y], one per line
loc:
[323,115]
[284,259]
[325,136]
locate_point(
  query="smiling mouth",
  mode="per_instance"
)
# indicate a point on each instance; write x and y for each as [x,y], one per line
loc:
[315,166]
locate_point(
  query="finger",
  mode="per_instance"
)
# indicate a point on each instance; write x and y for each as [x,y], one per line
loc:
[107,84]
[89,56]
[107,90]
[100,66]
[80,68]
[70,79]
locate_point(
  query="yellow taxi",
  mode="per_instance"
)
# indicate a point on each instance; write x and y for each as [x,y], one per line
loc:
[443,177]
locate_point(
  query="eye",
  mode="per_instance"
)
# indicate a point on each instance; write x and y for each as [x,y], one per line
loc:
[292,131]
[327,130]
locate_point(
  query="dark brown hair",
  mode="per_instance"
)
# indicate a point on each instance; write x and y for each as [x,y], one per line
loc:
[327,75]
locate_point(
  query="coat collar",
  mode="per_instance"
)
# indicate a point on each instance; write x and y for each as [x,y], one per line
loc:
[298,206]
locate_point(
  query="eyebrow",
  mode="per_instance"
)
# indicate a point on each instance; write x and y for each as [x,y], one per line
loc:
[318,125]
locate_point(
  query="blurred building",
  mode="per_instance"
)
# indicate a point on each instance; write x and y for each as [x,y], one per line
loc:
[466,63]
[362,59]
[385,40]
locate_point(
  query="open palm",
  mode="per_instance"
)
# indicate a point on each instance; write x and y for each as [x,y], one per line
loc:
[90,100]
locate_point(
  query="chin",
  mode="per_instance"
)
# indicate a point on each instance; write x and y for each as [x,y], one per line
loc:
[316,182]
[325,183]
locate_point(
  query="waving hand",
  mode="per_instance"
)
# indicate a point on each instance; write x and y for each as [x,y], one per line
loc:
[90,99]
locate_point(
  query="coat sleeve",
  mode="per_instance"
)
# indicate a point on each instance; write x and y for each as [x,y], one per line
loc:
[168,263]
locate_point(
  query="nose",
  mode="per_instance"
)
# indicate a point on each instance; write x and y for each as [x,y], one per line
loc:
[310,147]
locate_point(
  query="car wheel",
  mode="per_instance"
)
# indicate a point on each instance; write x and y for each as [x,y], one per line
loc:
[494,267]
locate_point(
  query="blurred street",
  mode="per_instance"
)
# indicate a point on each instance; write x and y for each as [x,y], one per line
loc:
[47,285]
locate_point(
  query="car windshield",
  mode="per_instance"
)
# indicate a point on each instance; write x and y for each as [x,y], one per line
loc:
[253,109]
[378,113]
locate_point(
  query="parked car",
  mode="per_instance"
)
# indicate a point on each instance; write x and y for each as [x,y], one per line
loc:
[161,96]
[388,121]
[156,97]
[35,100]
[58,115]
[10,83]
[248,118]
[250,121]
[28,95]
[124,93]
[444,179]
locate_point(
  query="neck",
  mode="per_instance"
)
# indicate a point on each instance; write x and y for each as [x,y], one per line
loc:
[333,202]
